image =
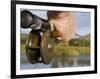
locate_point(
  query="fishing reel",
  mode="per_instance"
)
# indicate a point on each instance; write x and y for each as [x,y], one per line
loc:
[39,43]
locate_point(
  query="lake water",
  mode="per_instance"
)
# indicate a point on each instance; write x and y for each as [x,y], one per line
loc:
[57,62]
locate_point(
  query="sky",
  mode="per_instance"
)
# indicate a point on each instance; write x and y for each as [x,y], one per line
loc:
[82,21]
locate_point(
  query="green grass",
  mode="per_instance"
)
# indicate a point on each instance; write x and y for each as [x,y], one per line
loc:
[23,48]
[65,50]
[62,49]
[23,42]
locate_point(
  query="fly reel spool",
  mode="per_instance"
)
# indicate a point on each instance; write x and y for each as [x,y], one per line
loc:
[39,48]
[39,44]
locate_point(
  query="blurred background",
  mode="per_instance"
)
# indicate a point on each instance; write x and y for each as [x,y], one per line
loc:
[75,53]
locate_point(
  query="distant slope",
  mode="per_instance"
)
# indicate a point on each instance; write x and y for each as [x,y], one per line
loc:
[23,36]
[85,37]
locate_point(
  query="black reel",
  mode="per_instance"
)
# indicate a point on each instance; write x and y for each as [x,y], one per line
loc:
[33,47]
[39,49]
[39,44]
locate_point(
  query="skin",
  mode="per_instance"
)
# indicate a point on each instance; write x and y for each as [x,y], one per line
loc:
[64,24]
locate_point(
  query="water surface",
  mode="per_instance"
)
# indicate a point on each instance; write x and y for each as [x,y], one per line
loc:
[57,62]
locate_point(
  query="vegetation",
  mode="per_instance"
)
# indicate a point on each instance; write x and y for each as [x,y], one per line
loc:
[66,50]
[23,42]
[23,50]
[76,47]
[83,41]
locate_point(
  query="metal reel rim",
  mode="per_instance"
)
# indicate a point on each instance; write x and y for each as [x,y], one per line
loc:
[31,51]
[45,34]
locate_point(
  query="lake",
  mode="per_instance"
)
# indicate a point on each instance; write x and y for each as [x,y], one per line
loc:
[57,62]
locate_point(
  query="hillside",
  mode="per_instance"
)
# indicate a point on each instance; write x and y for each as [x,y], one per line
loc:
[85,37]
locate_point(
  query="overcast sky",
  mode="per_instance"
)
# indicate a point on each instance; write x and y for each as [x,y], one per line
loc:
[82,21]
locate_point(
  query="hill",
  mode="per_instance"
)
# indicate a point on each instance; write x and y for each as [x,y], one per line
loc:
[85,37]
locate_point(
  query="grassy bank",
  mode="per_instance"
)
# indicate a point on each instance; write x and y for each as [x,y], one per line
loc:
[23,48]
[71,50]
[61,49]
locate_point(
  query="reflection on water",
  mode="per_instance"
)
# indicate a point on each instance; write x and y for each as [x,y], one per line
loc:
[70,61]
[57,62]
